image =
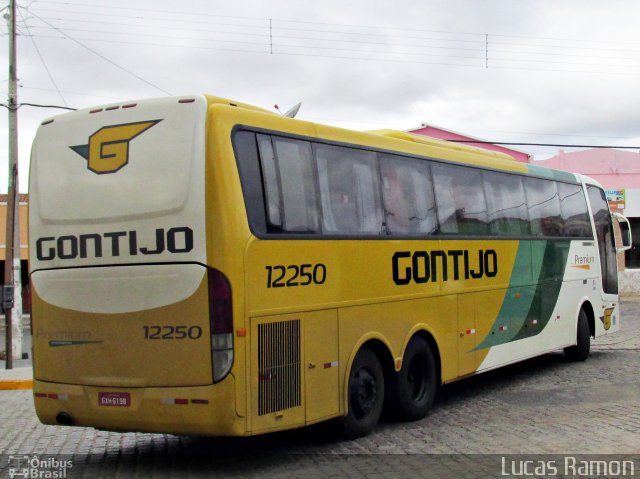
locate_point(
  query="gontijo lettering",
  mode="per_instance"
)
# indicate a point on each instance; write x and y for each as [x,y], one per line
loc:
[424,266]
[115,243]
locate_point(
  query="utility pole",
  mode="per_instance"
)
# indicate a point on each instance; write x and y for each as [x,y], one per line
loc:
[11,287]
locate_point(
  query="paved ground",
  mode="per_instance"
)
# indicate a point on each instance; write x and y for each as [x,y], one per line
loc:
[542,406]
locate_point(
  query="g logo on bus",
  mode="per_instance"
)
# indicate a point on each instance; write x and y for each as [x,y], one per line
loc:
[108,148]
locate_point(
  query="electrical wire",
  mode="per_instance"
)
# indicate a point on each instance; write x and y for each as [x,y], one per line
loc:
[556,145]
[37,105]
[108,60]
[33,40]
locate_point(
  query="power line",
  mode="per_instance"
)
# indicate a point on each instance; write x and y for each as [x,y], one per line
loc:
[294,42]
[403,28]
[102,56]
[480,142]
[377,57]
[172,12]
[33,40]
[37,105]
[483,48]
[556,145]
[480,40]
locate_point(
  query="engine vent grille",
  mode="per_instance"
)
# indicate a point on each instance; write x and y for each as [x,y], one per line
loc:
[278,366]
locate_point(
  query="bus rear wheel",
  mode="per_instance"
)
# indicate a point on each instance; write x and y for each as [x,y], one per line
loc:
[581,350]
[366,395]
[413,389]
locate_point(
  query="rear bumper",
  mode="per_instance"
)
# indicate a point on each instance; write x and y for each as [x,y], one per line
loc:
[208,410]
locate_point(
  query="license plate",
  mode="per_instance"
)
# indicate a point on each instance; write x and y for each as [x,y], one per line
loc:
[114,399]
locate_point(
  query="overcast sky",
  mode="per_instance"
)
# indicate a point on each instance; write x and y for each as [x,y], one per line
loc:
[544,71]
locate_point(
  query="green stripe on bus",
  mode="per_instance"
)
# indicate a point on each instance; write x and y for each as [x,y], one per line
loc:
[533,291]
[551,174]
[547,291]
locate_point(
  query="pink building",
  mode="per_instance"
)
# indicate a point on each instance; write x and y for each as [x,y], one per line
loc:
[612,168]
[442,134]
[619,172]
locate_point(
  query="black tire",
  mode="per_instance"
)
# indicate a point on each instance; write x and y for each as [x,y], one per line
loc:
[413,389]
[366,395]
[581,350]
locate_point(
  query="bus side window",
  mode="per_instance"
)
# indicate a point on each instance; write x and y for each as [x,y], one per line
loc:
[407,193]
[574,210]
[544,207]
[349,190]
[270,180]
[460,198]
[289,184]
[506,204]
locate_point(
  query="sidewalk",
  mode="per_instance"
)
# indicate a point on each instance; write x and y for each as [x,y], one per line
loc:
[16,378]
[21,376]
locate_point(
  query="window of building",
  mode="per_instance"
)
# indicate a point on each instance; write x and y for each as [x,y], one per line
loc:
[632,256]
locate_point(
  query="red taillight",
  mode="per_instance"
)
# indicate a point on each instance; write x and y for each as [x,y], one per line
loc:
[220,308]
[221,323]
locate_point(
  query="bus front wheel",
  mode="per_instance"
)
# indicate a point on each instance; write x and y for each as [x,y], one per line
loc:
[413,389]
[366,395]
[581,350]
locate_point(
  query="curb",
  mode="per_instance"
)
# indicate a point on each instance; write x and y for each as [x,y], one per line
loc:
[8,385]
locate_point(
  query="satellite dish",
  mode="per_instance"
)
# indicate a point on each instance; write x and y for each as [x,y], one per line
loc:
[292,112]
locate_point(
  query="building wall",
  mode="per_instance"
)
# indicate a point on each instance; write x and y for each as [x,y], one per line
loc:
[442,134]
[24,243]
[23,212]
[610,167]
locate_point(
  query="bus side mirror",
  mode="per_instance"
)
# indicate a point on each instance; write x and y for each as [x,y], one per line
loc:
[625,232]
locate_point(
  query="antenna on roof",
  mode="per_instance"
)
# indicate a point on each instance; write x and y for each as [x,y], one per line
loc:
[292,112]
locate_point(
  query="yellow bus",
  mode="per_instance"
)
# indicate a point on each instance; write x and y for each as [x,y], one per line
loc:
[202,266]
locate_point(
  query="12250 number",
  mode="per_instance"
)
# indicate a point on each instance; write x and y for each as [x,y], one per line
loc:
[172,332]
[295,275]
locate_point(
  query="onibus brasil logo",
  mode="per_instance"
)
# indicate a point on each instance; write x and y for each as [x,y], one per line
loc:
[108,148]
[37,466]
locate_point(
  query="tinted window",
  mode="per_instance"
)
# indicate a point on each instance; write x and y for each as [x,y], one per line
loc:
[574,210]
[293,185]
[460,198]
[349,190]
[606,239]
[506,204]
[290,193]
[544,207]
[270,180]
[407,191]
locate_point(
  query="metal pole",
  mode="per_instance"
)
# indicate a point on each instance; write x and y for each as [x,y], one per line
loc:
[12,206]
